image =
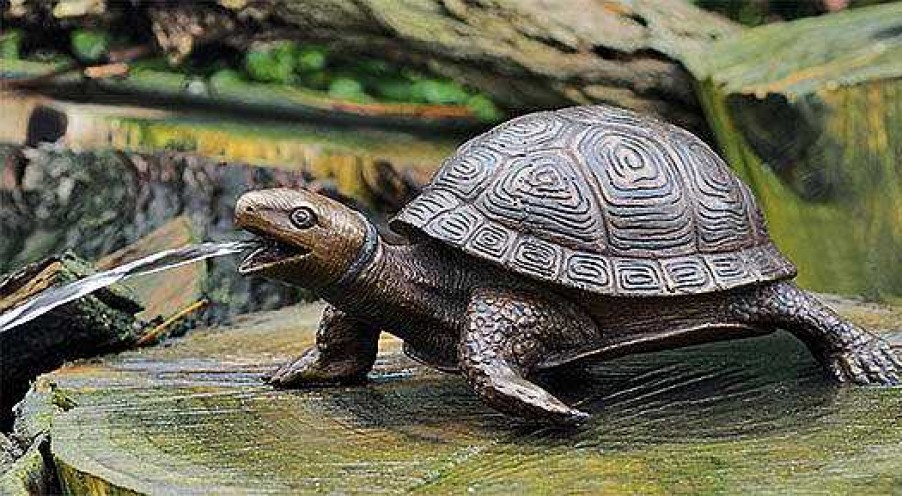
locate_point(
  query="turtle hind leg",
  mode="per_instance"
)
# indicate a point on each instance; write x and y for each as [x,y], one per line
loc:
[344,352]
[504,340]
[847,352]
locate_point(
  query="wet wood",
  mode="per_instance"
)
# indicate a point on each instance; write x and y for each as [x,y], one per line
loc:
[746,416]
[83,328]
[809,114]
[163,293]
[111,319]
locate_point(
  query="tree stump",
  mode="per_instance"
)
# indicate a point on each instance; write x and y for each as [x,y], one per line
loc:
[809,113]
[745,416]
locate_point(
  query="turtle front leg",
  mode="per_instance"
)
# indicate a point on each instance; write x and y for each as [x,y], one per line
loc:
[344,352]
[847,352]
[506,336]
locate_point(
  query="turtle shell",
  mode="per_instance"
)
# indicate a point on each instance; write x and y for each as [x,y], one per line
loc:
[601,199]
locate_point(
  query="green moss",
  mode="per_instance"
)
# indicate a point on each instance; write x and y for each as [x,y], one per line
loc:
[485,109]
[29,474]
[311,59]
[272,63]
[444,92]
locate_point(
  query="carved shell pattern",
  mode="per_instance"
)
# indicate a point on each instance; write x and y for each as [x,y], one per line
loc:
[601,199]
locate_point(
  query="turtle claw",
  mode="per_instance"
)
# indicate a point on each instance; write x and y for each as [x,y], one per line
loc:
[311,370]
[872,363]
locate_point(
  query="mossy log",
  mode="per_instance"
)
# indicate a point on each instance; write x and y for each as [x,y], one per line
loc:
[111,319]
[810,114]
[524,54]
[746,416]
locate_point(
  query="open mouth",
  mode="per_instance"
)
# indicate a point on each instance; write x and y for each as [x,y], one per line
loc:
[269,254]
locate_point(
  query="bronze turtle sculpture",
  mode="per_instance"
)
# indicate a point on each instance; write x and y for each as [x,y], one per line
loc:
[583,233]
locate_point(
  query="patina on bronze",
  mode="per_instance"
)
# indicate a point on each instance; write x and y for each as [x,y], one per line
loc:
[584,233]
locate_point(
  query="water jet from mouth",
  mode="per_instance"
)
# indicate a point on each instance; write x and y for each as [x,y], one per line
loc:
[164,260]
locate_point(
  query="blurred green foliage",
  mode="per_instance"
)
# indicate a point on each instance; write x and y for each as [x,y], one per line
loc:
[276,63]
[310,66]
[357,80]
[345,88]
[11,44]
[90,45]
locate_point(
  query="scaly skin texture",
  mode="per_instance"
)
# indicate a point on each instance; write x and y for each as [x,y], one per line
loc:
[345,352]
[575,234]
[456,312]
[847,352]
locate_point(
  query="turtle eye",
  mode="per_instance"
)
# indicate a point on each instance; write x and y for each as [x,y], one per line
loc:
[303,217]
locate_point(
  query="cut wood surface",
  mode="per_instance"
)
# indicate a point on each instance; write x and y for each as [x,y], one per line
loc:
[752,416]
[810,114]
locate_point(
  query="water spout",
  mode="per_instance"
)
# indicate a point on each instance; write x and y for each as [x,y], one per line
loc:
[53,297]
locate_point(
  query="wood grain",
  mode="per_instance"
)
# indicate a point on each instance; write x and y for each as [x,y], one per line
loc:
[751,416]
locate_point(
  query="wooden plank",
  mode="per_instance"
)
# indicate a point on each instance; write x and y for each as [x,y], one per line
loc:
[162,293]
[747,416]
[809,113]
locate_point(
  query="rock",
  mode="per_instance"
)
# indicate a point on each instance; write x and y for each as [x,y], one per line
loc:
[809,114]
[745,416]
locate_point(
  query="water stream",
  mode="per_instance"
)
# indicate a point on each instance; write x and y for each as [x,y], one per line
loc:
[169,259]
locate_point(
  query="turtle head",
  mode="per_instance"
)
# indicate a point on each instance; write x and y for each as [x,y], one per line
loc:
[306,239]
